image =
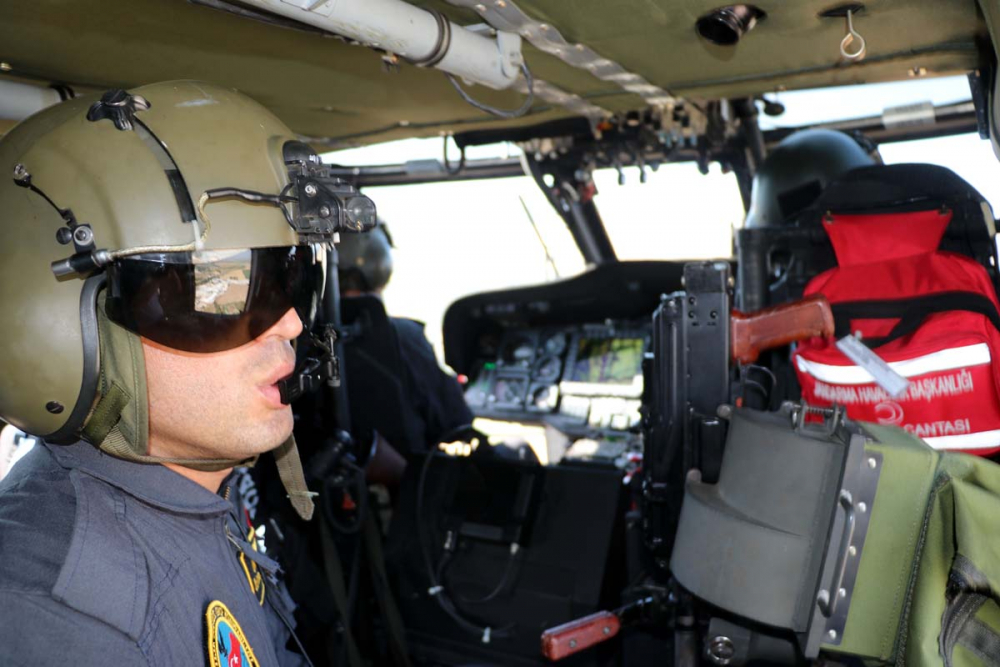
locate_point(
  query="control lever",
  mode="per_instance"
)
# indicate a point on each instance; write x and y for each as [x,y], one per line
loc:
[753,333]
[570,638]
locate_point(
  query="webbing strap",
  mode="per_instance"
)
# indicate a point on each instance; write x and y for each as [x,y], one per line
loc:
[911,312]
[118,445]
[107,413]
[380,580]
[293,479]
[335,579]
[982,640]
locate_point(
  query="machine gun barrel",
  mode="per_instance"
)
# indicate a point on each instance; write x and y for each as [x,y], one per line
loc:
[753,333]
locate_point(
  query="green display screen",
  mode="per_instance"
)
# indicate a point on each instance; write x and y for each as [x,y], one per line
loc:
[608,360]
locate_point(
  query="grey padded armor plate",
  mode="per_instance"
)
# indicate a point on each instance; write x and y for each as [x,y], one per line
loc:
[754,543]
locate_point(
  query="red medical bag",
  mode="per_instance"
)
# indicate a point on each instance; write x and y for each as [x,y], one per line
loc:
[932,315]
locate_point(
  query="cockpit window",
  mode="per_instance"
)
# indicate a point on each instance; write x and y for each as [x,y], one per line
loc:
[456,239]
[965,154]
[676,214]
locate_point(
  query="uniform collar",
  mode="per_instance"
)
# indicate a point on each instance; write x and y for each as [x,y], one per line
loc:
[151,483]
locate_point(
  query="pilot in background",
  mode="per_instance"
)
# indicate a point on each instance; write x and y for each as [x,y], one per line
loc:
[152,325]
[437,405]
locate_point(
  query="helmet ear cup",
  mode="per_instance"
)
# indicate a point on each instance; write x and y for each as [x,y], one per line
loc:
[91,299]
[122,406]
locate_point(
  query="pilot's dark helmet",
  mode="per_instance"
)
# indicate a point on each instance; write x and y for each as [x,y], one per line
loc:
[796,171]
[365,260]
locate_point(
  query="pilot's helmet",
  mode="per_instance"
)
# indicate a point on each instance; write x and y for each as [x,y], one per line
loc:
[794,174]
[119,225]
[365,260]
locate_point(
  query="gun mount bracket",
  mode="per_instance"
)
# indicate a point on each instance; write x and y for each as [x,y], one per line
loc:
[843,557]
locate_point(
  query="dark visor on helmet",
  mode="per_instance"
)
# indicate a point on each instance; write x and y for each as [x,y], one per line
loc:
[211,301]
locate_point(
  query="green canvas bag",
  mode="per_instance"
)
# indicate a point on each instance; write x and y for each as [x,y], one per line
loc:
[845,540]
[929,579]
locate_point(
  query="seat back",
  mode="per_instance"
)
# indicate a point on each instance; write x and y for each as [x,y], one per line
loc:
[775,264]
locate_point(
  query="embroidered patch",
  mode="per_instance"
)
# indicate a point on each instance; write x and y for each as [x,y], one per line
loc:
[227,645]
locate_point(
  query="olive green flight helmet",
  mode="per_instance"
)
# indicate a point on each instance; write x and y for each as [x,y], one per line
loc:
[797,170]
[96,178]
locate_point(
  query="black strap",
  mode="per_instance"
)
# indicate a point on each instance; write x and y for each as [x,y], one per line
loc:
[383,591]
[335,580]
[911,312]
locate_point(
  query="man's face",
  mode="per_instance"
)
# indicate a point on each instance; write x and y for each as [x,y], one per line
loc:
[224,404]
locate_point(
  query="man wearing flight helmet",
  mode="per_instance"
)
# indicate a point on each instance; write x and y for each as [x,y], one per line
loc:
[165,246]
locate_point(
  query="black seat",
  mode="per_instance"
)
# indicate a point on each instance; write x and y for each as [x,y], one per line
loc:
[800,250]
[919,187]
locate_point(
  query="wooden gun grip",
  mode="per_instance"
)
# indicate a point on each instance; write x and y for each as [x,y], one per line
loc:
[569,638]
[752,333]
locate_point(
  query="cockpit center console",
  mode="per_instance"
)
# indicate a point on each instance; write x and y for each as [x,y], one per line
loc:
[577,378]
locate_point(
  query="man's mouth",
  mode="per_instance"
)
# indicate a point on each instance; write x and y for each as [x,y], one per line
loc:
[269,388]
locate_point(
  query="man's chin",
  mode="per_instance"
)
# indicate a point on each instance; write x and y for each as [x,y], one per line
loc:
[284,422]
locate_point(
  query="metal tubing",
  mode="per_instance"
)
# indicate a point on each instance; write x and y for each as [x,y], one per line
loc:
[409,32]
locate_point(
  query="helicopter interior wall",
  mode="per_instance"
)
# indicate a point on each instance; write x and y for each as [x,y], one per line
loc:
[334,93]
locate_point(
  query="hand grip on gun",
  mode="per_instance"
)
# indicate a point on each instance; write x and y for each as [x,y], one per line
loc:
[752,333]
[569,638]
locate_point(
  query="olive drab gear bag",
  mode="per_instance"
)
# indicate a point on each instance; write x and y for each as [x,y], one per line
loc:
[836,538]
[928,588]
[931,314]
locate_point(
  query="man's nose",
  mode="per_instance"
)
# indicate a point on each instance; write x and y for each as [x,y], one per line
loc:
[289,327]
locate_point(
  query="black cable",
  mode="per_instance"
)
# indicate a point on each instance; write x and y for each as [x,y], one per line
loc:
[500,113]
[447,166]
[436,589]
[352,596]
[505,579]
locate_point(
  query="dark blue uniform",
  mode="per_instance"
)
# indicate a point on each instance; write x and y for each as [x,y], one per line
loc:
[437,398]
[106,562]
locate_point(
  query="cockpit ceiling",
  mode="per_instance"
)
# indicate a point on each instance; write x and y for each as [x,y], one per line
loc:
[335,92]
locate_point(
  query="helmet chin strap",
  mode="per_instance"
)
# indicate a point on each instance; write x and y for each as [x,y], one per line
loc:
[119,423]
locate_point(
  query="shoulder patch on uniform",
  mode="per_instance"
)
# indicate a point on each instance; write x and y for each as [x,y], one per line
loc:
[227,645]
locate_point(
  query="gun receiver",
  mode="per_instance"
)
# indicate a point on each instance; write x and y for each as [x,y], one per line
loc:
[753,333]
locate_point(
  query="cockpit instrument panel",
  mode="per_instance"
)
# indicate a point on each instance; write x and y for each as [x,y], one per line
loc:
[578,378]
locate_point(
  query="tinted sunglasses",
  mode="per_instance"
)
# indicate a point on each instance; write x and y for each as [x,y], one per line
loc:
[211,301]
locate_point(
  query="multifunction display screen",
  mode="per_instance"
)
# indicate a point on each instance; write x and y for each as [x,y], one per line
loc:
[607,360]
